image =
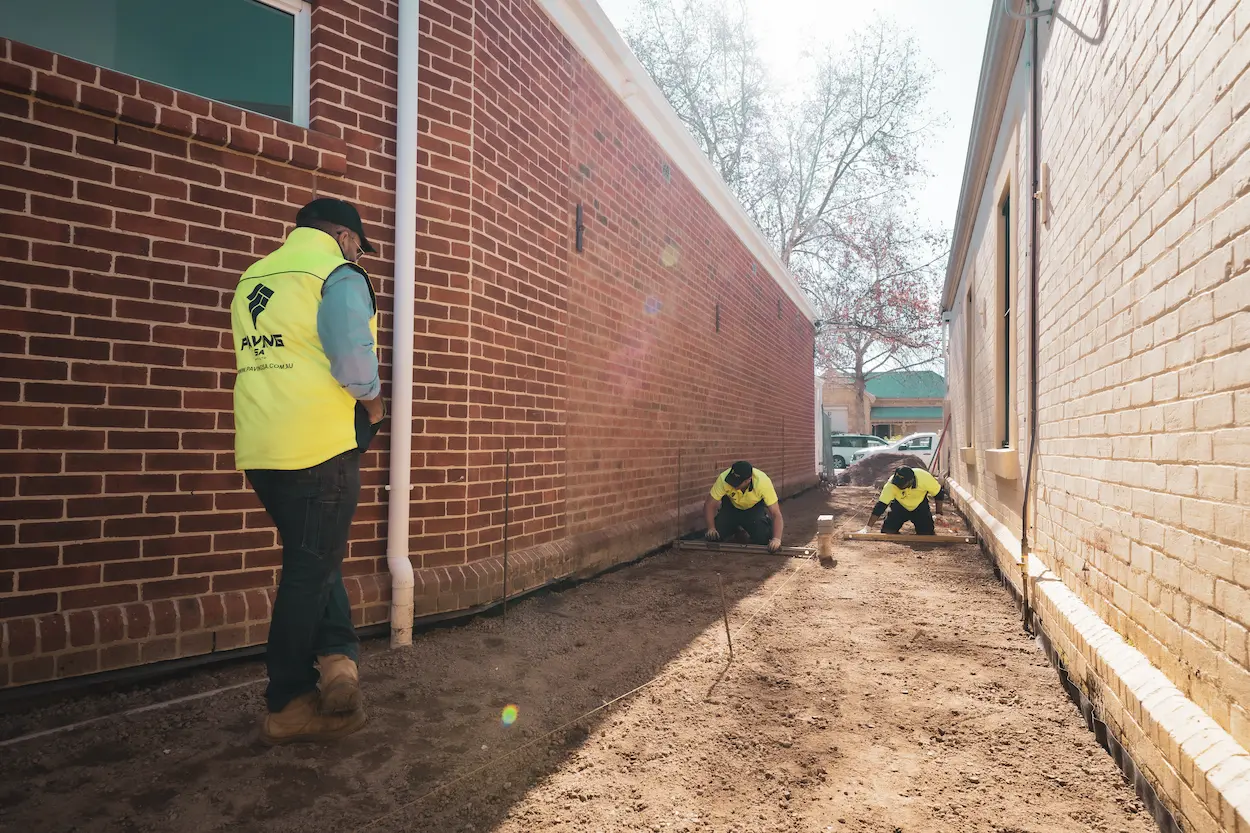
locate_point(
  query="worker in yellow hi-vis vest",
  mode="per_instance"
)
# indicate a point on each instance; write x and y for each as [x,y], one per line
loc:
[906,495]
[307,401]
[743,498]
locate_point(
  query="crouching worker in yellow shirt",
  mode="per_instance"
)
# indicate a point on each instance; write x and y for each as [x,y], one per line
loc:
[744,498]
[906,495]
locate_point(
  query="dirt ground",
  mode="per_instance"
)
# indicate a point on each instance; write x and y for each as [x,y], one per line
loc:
[893,692]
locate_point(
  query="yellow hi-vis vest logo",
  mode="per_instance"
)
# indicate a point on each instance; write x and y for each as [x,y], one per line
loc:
[257,299]
[289,411]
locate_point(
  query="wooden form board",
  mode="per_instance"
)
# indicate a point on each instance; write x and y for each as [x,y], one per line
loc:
[911,539]
[751,549]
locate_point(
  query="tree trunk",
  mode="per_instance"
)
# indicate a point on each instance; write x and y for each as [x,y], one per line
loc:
[861,393]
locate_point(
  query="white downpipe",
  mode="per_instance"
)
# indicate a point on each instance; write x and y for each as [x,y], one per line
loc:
[397,560]
[820,423]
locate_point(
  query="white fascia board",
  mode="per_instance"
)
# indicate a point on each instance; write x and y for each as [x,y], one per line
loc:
[588,29]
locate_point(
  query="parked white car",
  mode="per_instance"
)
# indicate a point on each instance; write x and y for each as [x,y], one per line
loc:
[844,447]
[920,445]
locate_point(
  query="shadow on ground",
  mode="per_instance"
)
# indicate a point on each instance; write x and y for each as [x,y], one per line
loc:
[434,717]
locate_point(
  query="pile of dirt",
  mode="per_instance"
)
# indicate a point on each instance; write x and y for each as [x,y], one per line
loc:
[875,469]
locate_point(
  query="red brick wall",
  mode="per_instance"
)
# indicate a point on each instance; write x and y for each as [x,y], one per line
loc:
[126,213]
[650,375]
[495,232]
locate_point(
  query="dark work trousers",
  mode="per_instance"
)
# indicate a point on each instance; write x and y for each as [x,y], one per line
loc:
[313,510]
[921,516]
[757,522]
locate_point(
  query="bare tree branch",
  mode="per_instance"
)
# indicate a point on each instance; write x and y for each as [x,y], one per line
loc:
[827,170]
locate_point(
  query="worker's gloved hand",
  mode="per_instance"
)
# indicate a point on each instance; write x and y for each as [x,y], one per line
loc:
[774,545]
[712,535]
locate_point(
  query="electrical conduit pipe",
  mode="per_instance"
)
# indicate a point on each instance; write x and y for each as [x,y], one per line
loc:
[1028,509]
[397,560]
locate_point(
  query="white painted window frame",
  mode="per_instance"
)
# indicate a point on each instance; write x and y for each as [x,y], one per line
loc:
[302,50]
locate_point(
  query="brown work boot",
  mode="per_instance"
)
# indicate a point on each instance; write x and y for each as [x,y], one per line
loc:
[301,721]
[340,684]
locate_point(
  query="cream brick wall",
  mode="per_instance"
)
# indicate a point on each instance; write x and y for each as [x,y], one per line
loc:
[837,392]
[1143,476]
[981,275]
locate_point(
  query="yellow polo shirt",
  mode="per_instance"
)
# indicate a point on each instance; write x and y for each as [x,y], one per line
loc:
[909,499]
[759,488]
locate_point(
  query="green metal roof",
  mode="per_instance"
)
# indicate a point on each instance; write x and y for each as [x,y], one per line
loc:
[908,384]
[887,414]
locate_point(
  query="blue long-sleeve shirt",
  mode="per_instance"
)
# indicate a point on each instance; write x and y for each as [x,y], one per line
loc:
[343,326]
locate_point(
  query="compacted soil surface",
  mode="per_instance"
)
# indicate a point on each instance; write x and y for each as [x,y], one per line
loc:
[892,692]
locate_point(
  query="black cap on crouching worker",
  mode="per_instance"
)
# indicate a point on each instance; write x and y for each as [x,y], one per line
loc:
[339,212]
[903,476]
[739,473]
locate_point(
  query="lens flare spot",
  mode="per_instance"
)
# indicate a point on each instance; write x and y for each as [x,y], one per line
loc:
[509,715]
[670,256]
[653,306]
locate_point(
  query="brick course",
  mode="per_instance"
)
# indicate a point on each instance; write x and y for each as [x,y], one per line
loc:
[127,211]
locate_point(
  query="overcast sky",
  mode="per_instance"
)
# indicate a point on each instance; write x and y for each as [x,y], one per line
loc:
[951,34]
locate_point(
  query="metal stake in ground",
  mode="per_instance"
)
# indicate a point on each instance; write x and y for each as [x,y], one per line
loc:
[783,455]
[678,535]
[507,490]
[724,612]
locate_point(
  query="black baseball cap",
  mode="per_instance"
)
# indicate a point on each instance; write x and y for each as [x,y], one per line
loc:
[339,212]
[739,473]
[903,475]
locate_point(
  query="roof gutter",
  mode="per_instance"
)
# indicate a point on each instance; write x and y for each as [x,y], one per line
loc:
[1002,48]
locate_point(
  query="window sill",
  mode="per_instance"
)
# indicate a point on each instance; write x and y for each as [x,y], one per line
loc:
[29,71]
[969,455]
[1003,463]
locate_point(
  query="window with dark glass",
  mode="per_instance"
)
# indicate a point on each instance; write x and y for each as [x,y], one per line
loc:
[247,53]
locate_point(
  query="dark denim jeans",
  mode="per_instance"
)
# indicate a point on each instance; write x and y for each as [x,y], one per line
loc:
[921,517]
[313,510]
[756,521]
